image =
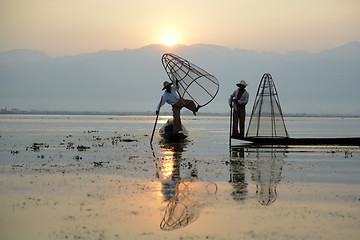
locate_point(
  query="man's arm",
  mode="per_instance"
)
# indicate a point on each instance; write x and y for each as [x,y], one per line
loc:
[231,98]
[161,103]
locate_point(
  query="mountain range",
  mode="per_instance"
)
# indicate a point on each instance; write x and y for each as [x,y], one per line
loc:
[130,80]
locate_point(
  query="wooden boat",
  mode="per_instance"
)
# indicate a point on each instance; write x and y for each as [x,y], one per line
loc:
[166,132]
[267,124]
[302,141]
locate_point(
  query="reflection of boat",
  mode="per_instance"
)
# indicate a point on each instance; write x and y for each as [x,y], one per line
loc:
[166,132]
[303,141]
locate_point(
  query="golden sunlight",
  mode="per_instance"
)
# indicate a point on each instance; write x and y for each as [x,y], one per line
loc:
[167,167]
[169,39]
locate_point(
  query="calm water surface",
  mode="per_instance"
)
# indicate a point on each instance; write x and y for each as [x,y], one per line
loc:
[191,175]
[114,140]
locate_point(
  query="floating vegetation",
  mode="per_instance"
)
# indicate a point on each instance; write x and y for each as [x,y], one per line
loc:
[98,145]
[36,146]
[124,138]
[346,152]
[82,148]
[70,145]
[115,139]
[77,158]
[15,152]
[128,140]
[99,164]
[91,131]
[97,138]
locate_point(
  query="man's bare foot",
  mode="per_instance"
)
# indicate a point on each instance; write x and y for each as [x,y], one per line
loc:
[197,109]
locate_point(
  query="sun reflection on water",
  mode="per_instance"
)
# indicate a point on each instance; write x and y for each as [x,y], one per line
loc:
[167,167]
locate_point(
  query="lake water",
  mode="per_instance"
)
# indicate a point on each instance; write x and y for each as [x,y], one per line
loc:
[201,170]
[115,139]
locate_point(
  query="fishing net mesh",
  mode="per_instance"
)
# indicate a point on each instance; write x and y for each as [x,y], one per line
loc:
[194,82]
[266,118]
[185,207]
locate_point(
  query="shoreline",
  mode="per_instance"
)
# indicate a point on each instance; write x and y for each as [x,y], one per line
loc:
[149,113]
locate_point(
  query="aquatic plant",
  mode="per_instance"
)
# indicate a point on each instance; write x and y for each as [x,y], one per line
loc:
[82,148]
[36,146]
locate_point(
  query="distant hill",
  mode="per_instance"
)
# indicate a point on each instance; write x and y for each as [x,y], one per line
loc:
[326,82]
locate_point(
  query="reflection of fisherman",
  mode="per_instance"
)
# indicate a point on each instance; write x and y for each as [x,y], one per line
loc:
[240,98]
[185,196]
[237,174]
[168,187]
[171,97]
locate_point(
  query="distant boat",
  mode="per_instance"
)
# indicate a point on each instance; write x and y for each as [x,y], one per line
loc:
[166,132]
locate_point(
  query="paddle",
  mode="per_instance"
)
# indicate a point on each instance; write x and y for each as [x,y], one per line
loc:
[152,135]
[231,116]
[157,116]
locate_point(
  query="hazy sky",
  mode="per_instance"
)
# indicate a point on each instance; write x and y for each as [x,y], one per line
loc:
[69,27]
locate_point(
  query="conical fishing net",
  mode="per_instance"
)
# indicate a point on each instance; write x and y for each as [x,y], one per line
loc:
[194,82]
[266,118]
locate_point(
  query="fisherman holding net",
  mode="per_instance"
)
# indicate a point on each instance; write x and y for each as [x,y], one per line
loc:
[171,97]
[238,99]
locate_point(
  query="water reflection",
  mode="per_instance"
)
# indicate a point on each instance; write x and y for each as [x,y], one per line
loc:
[186,196]
[237,174]
[169,167]
[265,165]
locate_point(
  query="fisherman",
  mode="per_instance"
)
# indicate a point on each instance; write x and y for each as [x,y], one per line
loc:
[238,99]
[171,97]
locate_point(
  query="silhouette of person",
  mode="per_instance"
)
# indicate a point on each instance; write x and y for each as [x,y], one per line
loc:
[171,97]
[238,99]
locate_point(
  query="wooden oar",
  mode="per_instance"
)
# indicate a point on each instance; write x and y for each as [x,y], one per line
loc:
[152,135]
[231,116]
[157,116]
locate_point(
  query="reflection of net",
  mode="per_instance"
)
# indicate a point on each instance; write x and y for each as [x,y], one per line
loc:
[267,195]
[266,117]
[194,82]
[266,172]
[185,207]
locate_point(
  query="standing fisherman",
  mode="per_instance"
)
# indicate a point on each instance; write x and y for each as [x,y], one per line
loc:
[171,97]
[239,98]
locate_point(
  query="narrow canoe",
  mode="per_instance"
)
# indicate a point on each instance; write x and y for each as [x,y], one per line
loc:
[303,141]
[166,132]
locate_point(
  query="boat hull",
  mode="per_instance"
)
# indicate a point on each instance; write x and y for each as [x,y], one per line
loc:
[173,136]
[303,141]
[166,132]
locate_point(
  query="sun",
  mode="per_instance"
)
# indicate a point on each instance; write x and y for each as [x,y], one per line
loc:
[169,39]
